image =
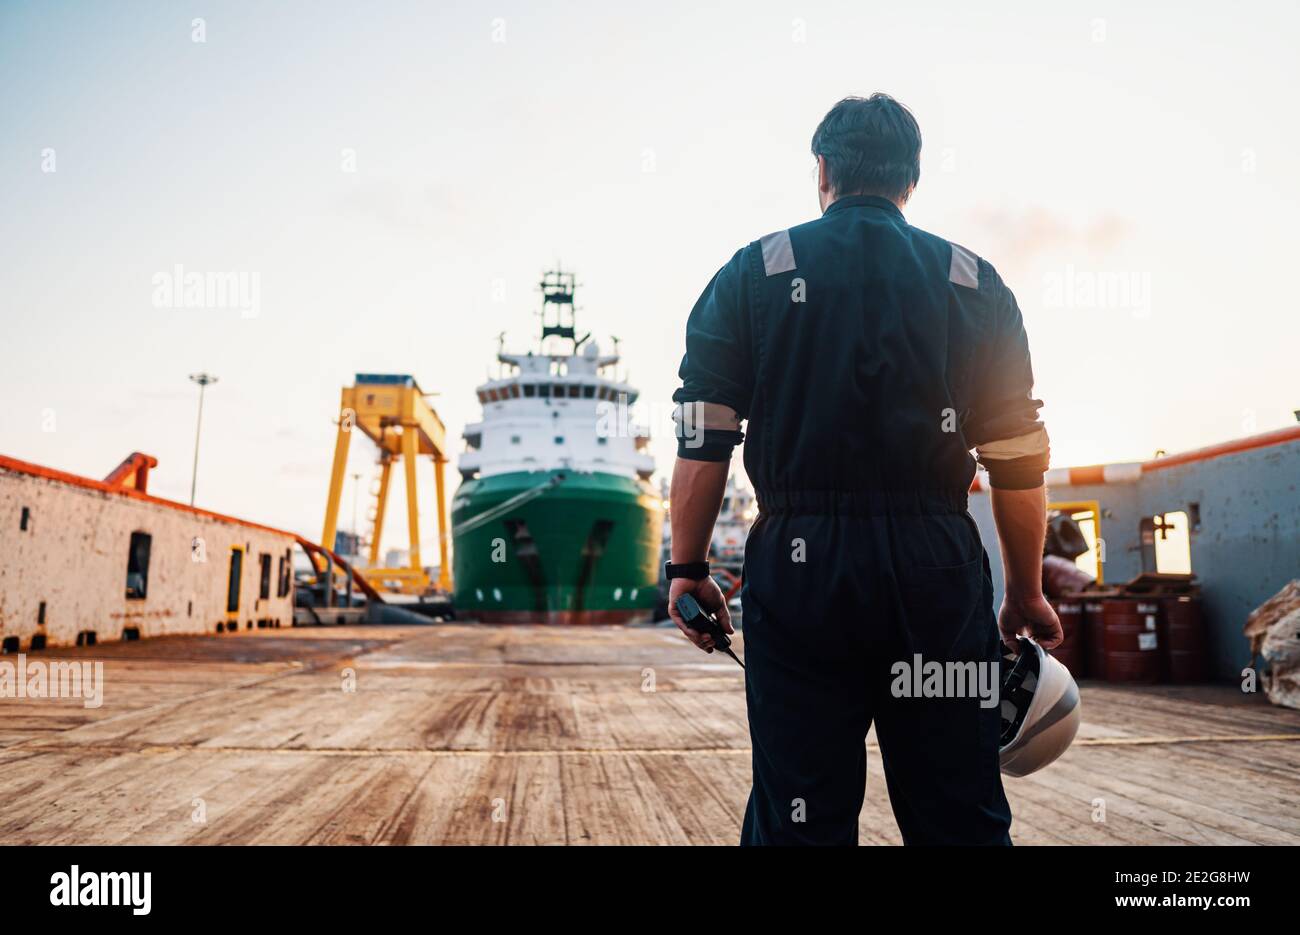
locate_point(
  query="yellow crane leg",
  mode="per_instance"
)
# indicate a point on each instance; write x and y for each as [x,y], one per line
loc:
[341,443]
[385,473]
[391,411]
[410,452]
[444,566]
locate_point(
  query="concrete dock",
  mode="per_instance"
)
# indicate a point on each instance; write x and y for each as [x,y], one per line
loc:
[470,734]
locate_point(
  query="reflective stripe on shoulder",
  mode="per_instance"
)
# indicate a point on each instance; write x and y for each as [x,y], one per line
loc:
[965,268]
[778,253]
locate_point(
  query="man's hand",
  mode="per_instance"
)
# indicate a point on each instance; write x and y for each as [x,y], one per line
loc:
[710,597]
[1032,617]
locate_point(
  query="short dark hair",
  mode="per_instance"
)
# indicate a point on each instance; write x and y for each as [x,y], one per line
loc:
[872,146]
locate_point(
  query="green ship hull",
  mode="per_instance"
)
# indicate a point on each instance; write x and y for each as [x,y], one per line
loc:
[559,547]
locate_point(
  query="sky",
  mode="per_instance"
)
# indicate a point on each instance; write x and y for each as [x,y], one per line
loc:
[395,177]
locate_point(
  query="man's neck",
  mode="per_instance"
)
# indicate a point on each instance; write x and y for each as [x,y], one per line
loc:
[834,197]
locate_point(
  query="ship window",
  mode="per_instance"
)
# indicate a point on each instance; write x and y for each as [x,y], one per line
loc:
[604,392]
[514,390]
[264,588]
[588,391]
[601,439]
[137,565]
[514,439]
[530,390]
[544,391]
[575,391]
[559,391]
[629,399]
[26,518]
[559,439]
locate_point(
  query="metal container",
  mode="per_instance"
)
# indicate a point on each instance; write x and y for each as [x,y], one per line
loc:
[1132,641]
[1071,651]
[1181,627]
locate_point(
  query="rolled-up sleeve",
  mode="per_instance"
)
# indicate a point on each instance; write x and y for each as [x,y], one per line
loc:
[717,368]
[1004,428]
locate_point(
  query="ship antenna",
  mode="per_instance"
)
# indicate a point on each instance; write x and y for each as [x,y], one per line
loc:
[558,288]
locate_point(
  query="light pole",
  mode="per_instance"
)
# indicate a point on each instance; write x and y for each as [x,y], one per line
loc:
[203,380]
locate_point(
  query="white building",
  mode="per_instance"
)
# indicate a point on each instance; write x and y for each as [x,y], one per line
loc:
[83,560]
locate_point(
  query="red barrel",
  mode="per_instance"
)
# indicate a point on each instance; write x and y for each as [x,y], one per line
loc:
[1094,639]
[1132,641]
[1071,651]
[1182,638]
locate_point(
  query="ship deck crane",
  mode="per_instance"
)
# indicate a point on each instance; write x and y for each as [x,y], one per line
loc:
[392,412]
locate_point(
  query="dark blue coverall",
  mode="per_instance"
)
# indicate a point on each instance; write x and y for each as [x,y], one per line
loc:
[868,359]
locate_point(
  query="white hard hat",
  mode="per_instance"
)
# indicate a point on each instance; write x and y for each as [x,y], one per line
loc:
[1040,710]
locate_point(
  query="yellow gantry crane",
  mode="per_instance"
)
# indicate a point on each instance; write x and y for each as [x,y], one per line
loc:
[391,411]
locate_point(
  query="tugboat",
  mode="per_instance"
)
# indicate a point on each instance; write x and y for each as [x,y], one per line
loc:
[555,520]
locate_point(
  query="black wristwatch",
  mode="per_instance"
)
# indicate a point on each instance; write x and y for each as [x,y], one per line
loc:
[696,571]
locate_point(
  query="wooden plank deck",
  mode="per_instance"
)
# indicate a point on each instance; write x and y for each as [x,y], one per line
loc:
[474,734]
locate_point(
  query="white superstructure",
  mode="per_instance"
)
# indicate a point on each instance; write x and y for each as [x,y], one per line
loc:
[557,411]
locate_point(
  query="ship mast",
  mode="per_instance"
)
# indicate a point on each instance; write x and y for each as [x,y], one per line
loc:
[558,289]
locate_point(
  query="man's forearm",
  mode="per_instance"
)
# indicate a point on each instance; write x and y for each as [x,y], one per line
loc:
[694,500]
[1021,518]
